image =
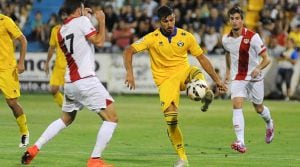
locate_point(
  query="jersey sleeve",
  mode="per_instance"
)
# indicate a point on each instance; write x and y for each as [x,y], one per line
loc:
[12,28]
[258,44]
[87,27]
[194,47]
[224,43]
[142,43]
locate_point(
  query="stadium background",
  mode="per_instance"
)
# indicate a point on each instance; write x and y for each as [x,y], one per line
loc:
[129,20]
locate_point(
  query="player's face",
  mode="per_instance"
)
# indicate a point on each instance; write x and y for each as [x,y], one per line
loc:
[168,23]
[236,21]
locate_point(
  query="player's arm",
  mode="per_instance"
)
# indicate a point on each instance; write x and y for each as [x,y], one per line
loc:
[228,67]
[207,66]
[99,39]
[263,64]
[23,50]
[127,59]
[50,53]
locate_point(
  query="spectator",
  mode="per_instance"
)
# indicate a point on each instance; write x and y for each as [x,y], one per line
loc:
[122,36]
[286,64]
[37,26]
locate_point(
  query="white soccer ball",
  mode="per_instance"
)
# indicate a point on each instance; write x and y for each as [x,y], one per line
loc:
[196,89]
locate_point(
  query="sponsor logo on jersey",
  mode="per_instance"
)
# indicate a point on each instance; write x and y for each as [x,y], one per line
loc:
[180,44]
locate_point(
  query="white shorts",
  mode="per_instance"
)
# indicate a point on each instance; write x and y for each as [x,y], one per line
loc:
[253,91]
[87,92]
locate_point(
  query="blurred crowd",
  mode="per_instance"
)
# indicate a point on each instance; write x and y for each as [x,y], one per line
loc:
[277,22]
[129,20]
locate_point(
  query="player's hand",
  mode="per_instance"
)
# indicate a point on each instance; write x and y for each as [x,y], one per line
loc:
[46,69]
[129,81]
[99,15]
[255,73]
[21,68]
[222,87]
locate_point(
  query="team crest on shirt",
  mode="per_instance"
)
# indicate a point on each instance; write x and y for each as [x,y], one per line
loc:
[180,44]
[246,41]
[160,43]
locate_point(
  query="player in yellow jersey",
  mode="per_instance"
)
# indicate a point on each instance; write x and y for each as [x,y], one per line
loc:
[168,47]
[58,72]
[10,69]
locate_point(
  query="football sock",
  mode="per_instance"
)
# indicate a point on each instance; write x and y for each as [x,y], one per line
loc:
[22,123]
[175,135]
[238,124]
[196,73]
[58,98]
[52,130]
[104,135]
[265,114]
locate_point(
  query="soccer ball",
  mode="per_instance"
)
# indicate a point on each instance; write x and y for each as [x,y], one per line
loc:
[196,89]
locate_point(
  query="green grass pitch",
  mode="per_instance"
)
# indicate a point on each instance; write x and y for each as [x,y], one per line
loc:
[141,140]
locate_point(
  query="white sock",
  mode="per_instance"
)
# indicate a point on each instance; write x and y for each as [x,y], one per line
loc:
[52,130]
[104,135]
[238,124]
[265,114]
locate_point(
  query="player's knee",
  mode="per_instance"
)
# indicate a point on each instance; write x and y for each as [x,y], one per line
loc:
[54,89]
[12,103]
[171,118]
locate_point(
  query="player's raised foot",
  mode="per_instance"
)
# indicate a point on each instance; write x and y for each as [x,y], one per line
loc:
[181,163]
[24,141]
[207,99]
[238,146]
[97,162]
[270,133]
[29,154]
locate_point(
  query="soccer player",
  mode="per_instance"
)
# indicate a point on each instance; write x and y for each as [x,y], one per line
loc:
[168,47]
[77,38]
[57,76]
[245,58]
[9,70]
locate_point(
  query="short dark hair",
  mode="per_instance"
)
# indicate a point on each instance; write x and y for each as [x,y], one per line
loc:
[164,11]
[70,6]
[235,9]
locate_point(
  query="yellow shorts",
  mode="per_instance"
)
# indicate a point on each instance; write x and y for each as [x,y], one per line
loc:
[9,83]
[58,76]
[169,90]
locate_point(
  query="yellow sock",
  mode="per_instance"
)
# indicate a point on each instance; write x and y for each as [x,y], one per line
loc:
[22,123]
[58,98]
[195,73]
[175,135]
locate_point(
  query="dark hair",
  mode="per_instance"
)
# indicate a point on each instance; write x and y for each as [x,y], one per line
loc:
[235,9]
[164,11]
[70,6]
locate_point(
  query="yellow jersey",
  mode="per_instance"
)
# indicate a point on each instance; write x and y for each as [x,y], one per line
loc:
[168,55]
[8,32]
[60,60]
[296,37]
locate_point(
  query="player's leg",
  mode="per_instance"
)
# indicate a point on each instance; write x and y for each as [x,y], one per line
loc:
[98,99]
[104,135]
[57,95]
[195,73]
[257,92]
[238,94]
[21,120]
[56,81]
[10,86]
[169,93]
[52,130]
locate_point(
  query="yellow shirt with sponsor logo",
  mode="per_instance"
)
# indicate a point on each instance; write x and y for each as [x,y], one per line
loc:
[168,55]
[60,60]
[8,32]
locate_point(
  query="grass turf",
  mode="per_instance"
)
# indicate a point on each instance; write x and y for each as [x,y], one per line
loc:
[141,140]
